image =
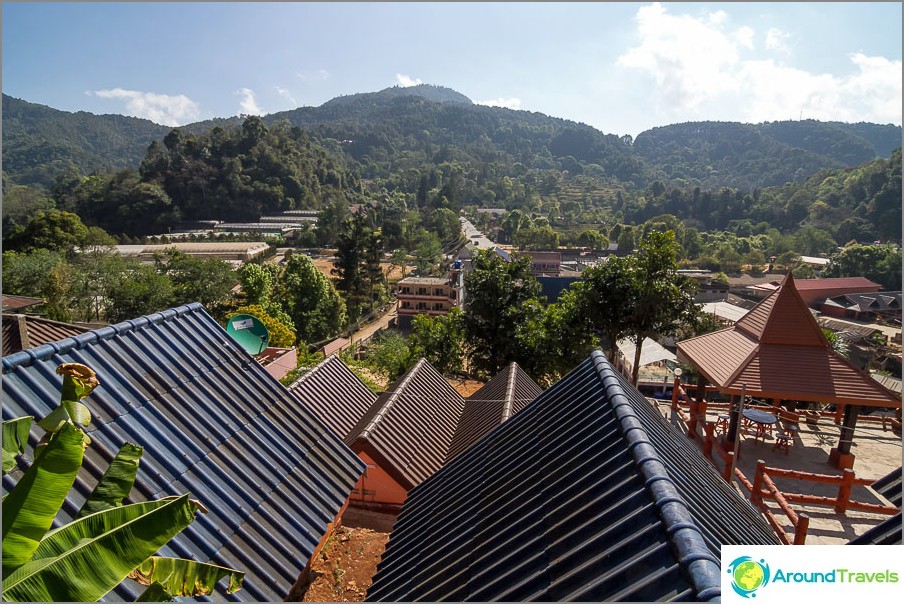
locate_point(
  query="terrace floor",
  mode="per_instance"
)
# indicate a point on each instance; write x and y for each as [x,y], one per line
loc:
[877,451]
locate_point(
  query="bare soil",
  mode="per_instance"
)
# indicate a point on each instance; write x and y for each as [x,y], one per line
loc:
[465,387]
[346,565]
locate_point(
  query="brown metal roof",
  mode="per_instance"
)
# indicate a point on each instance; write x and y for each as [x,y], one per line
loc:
[507,393]
[334,394]
[21,332]
[19,302]
[779,351]
[410,426]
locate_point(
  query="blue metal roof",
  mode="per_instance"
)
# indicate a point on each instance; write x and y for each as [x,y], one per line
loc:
[587,494]
[214,424]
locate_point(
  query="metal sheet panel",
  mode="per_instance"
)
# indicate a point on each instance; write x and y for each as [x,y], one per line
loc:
[213,424]
[587,494]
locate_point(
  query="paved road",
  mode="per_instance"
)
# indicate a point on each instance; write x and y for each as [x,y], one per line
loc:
[371,328]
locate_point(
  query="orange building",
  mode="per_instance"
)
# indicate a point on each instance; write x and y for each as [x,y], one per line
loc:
[427,296]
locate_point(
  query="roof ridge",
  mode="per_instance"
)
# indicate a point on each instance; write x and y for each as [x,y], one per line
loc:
[313,370]
[688,542]
[510,391]
[391,399]
[25,358]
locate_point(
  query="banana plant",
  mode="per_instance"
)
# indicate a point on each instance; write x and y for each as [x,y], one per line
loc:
[107,541]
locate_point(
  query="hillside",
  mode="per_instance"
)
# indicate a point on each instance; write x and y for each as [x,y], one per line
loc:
[384,133]
[39,142]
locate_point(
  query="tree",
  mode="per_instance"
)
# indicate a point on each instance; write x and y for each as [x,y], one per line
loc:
[195,280]
[391,355]
[351,256]
[141,291]
[502,299]
[428,253]
[440,340]
[41,274]
[281,336]
[107,541]
[878,263]
[50,230]
[603,300]
[310,300]
[665,298]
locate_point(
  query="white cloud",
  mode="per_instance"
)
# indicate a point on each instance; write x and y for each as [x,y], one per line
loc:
[776,40]
[690,59]
[309,76]
[405,81]
[159,108]
[703,71]
[511,103]
[287,95]
[248,105]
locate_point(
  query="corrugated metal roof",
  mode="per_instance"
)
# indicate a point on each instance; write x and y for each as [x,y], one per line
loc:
[651,352]
[889,486]
[779,351]
[334,394]
[19,302]
[587,494]
[887,533]
[214,424]
[28,331]
[411,425]
[724,310]
[507,393]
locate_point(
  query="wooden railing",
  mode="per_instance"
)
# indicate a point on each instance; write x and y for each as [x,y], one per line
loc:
[763,487]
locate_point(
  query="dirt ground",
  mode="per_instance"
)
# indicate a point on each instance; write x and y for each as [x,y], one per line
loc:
[393,273]
[465,387]
[346,565]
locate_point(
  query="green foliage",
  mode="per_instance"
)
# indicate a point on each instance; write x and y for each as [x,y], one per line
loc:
[878,263]
[141,291]
[280,335]
[15,437]
[310,300]
[391,355]
[440,340]
[86,558]
[195,280]
[50,230]
[502,300]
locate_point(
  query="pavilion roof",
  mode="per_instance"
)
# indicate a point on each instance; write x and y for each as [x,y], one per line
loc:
[778,350]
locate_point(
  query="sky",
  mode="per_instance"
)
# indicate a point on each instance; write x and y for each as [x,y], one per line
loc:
[620,67]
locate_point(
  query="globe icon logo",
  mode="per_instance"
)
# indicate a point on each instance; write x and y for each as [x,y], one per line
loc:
[748,575]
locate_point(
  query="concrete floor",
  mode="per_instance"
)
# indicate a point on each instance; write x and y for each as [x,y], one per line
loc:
[878,451]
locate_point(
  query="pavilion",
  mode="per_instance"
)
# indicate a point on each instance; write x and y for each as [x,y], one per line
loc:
[778,351]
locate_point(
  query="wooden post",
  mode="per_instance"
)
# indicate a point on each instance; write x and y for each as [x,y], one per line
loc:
[756,495]
[729,466]
[839,410]
[701,388]
[844,491]
[800,531]
[675,388]
[692,419]
[708,441]
[733,436]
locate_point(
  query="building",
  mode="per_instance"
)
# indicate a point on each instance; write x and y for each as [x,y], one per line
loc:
[213,423]
[814,291]
[544,263]
[427,296]
[21,332]
[334,394]
[233,251]
[587,494]
[17,303]
[864,306]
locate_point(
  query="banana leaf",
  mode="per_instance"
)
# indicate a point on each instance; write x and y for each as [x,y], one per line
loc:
[116,483]
[31,505]
[181,577]
[84,560]
[15,437]
[155,593]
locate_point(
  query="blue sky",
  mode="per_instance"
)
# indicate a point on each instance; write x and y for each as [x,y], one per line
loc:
[620,67]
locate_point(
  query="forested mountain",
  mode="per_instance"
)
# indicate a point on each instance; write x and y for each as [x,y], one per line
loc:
[399,128]
[40,142]
[748,156]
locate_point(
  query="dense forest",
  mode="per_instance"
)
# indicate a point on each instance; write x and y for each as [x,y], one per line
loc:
[407,152]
